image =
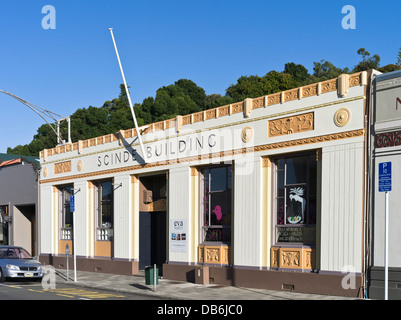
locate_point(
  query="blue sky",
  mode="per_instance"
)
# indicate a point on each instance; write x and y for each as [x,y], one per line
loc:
[211,42]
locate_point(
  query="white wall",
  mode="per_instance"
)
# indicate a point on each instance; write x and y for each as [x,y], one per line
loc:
[342,207]
[247,212]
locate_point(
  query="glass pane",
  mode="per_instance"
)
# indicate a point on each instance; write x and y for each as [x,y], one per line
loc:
[219,208]
[67,192]
[106,216]
[107,191]
[280,211]
[218,177]
[297,170]
[296,204]
[280,183]
[312,177]
[213,234]
[229,178]
[205,197]
[312,210]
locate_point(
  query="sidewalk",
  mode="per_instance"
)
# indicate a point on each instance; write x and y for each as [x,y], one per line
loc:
[177,290]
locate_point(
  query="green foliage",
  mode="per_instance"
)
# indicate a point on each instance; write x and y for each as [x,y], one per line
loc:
[367,62]
[184,97]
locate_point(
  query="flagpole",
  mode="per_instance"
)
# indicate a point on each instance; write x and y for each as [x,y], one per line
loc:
[128,95]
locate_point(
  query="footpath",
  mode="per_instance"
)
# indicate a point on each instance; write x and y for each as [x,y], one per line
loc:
[179,290]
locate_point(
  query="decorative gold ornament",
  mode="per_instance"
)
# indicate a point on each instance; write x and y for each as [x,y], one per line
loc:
[45,171]
[79,165]
[247,134]
[342,117]
[290,125]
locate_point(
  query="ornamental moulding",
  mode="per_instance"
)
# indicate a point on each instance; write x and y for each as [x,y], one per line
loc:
[388,139]
[289,125]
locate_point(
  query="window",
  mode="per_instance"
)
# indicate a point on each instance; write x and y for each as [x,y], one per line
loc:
[66,218]
[295,198]
[104,209]
[216,203]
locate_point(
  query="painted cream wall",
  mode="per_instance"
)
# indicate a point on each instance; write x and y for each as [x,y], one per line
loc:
[342,207]
[122,217]
[179,207]
[81,216]
[247,212]
[46,224]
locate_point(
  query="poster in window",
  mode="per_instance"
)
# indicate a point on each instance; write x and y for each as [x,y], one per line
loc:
[178,235]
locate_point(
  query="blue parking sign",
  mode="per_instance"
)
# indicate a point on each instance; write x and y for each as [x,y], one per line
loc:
[384,176]
[72,203]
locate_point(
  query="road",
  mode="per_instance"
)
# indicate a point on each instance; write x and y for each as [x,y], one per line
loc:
[33,291]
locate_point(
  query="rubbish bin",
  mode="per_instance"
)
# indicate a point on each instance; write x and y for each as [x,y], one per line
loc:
[149,275]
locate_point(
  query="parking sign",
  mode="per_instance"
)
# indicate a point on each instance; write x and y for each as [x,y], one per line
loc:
[72,203]
[384,176]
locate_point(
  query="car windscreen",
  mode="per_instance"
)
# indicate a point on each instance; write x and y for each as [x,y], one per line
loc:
[14,253]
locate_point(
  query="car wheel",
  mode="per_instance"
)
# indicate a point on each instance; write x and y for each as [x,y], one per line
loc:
[2,278]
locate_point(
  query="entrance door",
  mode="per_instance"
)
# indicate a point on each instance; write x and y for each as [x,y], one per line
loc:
[152,239]
[152,221]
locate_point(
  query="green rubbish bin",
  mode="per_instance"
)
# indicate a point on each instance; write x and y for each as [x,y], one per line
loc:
[149,275]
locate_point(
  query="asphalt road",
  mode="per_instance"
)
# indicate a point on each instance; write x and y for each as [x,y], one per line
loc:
[18,290]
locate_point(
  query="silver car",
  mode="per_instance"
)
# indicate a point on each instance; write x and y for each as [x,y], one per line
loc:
[17,263]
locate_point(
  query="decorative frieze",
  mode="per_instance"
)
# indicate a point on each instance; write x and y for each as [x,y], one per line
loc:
[388,139]
[62,167]
[293,258]
[289,125]
[214,254]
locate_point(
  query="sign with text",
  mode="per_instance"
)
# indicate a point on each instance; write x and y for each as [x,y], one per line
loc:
[178,235]
[384,176]
[72,203]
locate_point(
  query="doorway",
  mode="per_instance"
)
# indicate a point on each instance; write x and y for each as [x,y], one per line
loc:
[152,221]
[24,234]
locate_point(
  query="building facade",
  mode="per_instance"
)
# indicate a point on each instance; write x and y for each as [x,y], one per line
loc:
[19,181]
[386,147]
[266,193]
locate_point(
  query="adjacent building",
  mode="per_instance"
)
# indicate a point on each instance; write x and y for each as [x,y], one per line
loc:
[386,148]
[19,190]
[269,192]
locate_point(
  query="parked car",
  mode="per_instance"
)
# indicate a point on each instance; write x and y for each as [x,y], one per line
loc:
[17,263]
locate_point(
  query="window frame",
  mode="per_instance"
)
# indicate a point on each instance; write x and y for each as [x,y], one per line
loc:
[229,179]
[103,233]
[65,232]
[309,198]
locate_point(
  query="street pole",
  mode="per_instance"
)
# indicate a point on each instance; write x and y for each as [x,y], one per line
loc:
[386,248]
[154,277]
[75,255]
[67,252]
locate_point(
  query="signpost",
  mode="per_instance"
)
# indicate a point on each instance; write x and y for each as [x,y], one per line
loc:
[72,209]
[385,186]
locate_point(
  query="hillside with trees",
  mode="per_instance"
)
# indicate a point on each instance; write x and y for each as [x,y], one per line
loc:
[185,96]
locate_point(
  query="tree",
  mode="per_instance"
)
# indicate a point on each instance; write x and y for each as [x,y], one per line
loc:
[297,71]
[367,62]
[325,70]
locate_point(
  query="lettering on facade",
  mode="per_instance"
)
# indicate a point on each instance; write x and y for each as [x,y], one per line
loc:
[168,149]
[175,149]
[116,158]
